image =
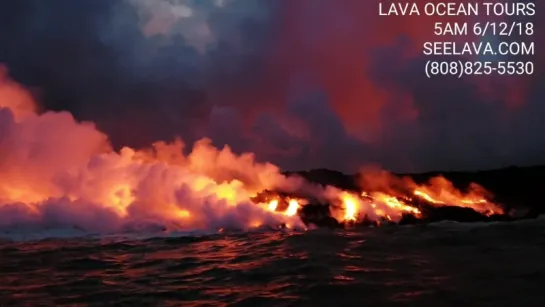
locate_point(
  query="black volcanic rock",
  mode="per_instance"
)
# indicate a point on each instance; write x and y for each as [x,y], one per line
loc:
[318,215]
[409,219]
[328,177]
[455,214]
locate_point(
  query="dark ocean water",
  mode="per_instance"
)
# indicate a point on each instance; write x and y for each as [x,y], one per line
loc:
[445,264]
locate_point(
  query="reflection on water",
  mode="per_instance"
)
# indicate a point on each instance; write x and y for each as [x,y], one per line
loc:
[442,265]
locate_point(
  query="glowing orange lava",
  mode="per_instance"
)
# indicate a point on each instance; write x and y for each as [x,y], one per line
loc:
[293,206]
[350,203]
[54,167]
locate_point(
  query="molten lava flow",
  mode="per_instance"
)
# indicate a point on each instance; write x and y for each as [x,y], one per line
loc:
[396,204]
[440,192]
[272,205]
[351,207]
[427,197]
[393,205]
[375,206]
[57,171]
[293,206]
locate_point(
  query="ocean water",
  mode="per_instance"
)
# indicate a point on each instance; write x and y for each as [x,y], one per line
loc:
[444,264]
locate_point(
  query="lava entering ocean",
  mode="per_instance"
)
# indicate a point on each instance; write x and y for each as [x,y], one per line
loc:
[57,172]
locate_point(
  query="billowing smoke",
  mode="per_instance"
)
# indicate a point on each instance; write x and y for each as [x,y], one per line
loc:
[303,84]
[57,172]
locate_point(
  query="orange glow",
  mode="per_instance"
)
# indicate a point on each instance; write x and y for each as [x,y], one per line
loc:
[183,214]
[350,203]
[121,198]
[272,205]
[395,204]
[293,206]
[54,166]
[256,224]
[427,197]
[440,191]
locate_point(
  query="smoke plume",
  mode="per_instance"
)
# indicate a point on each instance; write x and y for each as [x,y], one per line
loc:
[303,84]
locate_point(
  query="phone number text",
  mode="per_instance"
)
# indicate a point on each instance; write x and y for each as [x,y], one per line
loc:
[463,68]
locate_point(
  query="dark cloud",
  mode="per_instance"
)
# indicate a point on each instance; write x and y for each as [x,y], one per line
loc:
[456,125]
[310,83]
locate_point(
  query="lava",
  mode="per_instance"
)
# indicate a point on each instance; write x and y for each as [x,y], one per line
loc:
[293,206]
[350,204]
[376,207]
[56,171]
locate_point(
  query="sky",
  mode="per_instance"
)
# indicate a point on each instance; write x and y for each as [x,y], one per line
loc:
[302,84]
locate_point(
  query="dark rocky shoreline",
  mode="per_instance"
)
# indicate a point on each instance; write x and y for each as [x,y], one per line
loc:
[518,189]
